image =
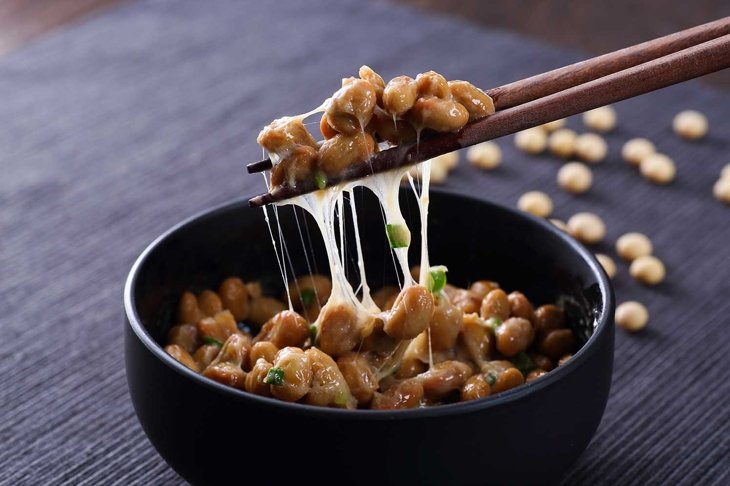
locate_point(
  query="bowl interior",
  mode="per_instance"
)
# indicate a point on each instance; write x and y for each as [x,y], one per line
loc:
[473,238]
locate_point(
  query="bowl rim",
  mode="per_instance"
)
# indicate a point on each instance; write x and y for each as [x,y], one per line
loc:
[603,324]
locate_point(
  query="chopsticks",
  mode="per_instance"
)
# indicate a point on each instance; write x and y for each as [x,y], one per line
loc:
[534,87]
[556,94]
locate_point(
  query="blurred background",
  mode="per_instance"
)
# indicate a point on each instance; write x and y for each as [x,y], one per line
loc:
[584,24]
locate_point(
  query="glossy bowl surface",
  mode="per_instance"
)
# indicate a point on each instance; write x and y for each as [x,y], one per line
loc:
[210,433]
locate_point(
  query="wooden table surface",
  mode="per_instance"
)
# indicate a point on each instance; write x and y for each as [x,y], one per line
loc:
[23,20]
[585,24]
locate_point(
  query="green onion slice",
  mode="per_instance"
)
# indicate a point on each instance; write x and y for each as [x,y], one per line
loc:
[212,340]
[493,323]
[491,378]
[437,278]
[275,376]
[523,363]
[313,333]
[398,235]
[320,179]
[307,296]
[341,398]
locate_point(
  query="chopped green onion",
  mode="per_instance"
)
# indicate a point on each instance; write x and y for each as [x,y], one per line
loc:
[491,378]
[320,179]
[307,296]
[398,235]
[341,398]
[523,363]
[437,279]
[212,340]
[313,333]
[493,323]
[275,376]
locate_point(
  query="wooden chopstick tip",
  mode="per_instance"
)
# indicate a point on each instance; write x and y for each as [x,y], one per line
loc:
[260,166]
[258,201]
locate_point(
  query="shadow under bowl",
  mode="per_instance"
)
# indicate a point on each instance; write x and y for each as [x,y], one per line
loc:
[210,433]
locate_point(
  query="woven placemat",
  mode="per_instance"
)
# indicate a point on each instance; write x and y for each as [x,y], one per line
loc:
[113,130]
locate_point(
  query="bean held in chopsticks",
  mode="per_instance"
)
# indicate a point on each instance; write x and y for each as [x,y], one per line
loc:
[538,86]
[364,116]
[565,93]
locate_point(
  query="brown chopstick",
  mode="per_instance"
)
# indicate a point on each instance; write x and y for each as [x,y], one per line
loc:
[544,84]
[681,66]
[560,79]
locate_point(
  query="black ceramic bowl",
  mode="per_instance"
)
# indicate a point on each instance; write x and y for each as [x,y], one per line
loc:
[211,434]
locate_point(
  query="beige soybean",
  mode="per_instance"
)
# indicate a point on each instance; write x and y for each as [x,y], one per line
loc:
[636,150]
[553,125]
[575,178]
[399,95]
[561,142]
[658,168]
[476,101]
[440,168]
[485,155]
[648,270]
[690,125]
[537,203]
[631,246]
[439,172]
[533,140]
[449,160]
[587,228]
[602,119]
[442,115]
[721,189]
[590,147]
[632,316]
[725,172]
[607,263]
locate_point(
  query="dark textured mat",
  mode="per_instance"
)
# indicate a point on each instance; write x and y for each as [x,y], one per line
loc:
[115,129]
